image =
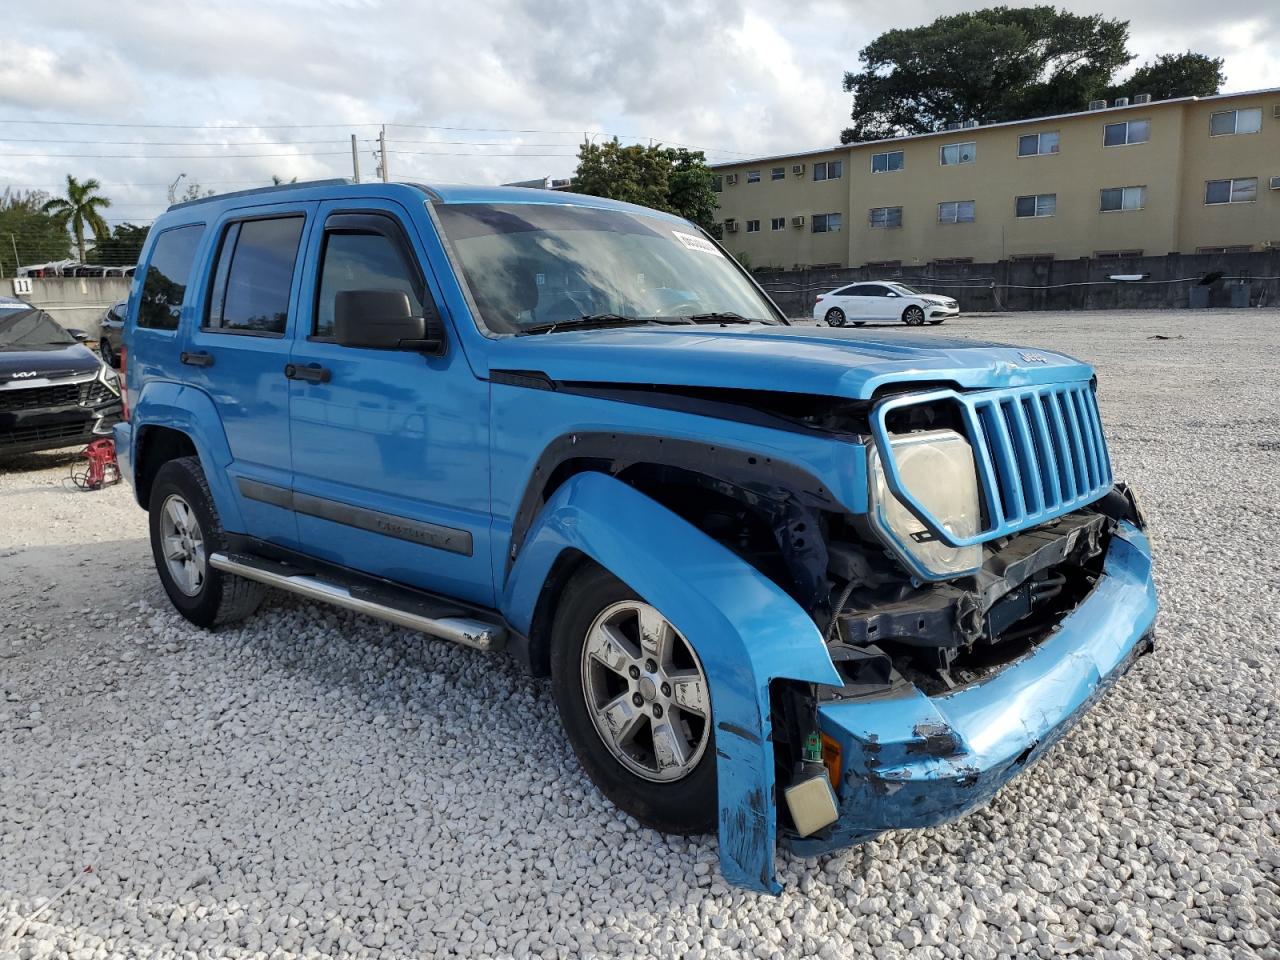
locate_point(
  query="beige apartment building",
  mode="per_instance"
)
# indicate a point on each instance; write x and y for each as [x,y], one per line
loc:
[1191,175]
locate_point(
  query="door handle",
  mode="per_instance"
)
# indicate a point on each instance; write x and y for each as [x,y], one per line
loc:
[311,372]
[197,359]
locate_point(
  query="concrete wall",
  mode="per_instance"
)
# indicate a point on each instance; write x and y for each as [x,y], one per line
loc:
[72,301]
[1082,284]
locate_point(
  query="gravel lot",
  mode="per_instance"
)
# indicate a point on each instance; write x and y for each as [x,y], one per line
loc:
[317,784]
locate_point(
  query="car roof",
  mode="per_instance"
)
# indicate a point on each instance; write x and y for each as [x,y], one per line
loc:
[204,207]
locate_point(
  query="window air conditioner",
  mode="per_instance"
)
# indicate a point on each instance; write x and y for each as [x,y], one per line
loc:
[1141,98]
[1097,104]
[797,168]
[969,124]
[731,178]
[797,221]
[1121,102]
[731,226]
[1275,183]
[1275,111]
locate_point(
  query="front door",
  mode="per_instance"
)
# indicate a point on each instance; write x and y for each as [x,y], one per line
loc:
[238,350]
[390,447]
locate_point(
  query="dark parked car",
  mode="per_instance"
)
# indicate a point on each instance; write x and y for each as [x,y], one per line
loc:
[53,391]
[112,324]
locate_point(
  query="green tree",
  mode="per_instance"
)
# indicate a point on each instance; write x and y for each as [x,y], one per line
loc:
[121,248]
[37,236]
[1174,75]
[665,178]
[1002,63]
[79,209]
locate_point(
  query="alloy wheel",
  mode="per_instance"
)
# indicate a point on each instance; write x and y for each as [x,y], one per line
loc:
[183,545]
[646,692]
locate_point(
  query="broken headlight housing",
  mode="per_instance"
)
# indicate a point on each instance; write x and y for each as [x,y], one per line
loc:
[937,467]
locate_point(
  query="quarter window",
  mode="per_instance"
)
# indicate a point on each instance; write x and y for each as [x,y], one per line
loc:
[955,211]
[1038,144]
[753,176]
[753,226]
[253,277]
[778,173]
[168,272]
[887,162]
[1126,132]
[956,153]
[884,218]
[1240,190]
[1039,205]
[1227,122]
[831,170]
[778,223]
[361,261]
[1123,198]
[827,222]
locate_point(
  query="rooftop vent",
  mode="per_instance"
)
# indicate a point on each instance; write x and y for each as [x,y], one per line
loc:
[969,124]
[1121,102]
[952,125]
[1097,104]
[1141,98]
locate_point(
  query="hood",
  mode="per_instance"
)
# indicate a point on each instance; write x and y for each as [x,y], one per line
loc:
[46,362]
[826,361]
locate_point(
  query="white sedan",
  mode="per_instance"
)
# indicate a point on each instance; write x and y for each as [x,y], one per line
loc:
[860,302]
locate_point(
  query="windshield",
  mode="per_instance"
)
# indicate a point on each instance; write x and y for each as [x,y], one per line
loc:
[20,329]
[533,265]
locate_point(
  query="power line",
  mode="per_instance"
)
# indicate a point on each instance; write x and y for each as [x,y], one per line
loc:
[271,143]
[251,156]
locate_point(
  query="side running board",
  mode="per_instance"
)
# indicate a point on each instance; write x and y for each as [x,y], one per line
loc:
[403,609]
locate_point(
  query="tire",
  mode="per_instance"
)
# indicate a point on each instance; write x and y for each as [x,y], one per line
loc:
[835,317]
[212,598]
[934,323]
[684,804]
[858,323]
[913,316]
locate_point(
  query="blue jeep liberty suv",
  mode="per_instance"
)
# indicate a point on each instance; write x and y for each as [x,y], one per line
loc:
[797,584]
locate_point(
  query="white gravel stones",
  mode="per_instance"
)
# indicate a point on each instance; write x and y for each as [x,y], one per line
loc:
[314,784]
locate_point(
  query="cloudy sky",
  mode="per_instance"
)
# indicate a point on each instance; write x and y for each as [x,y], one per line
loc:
[229,92]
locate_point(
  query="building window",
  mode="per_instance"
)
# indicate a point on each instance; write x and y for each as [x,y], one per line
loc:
[1040,205]
[1241,190]
[753,226]
[1238,248]
[884,264]
[717,183]
[753,176]
[1116,254]
[887,162]
[1227,122]
[1126,132]
[951,261]
[778,223]
[955,211]
[778,173]
[955,153]
[1038,144]
[885,218]
[831,170]
[1032,258]
[1123,198]
[827,222]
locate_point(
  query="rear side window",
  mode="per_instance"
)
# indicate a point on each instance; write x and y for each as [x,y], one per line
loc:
[254,275]
[362,261]
[167,275]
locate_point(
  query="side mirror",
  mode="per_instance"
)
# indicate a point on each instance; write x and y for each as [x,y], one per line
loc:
[80,335]
[384,320]
[890,294]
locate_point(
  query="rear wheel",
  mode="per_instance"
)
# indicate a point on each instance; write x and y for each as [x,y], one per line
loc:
[635,704]
[835,317]
[913,316]
[185,530]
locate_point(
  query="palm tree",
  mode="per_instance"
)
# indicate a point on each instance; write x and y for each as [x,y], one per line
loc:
[79,208]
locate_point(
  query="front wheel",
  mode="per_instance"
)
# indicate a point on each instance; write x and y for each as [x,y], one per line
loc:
[185,530]
[835,317]
[913,316]
[635,704]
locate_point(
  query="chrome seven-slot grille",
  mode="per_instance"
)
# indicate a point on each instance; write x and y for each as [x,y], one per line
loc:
[85,393]
[1042,450]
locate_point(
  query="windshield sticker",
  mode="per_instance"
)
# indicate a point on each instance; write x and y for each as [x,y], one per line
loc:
[700,244]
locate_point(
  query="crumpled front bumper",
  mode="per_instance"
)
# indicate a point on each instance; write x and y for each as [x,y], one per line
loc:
[918,761]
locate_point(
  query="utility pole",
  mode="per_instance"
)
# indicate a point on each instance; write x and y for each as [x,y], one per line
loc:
[355,158]
[382,153]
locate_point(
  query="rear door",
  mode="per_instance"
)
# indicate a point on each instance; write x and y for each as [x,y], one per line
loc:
[153,337]
[238,351]
[855,302]
[390,447]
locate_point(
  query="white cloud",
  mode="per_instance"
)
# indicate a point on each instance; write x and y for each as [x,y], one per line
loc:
[737,77]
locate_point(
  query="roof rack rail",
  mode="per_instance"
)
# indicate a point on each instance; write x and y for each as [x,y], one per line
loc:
[335,182]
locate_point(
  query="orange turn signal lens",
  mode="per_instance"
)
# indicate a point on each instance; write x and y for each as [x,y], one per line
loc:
[831,760]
